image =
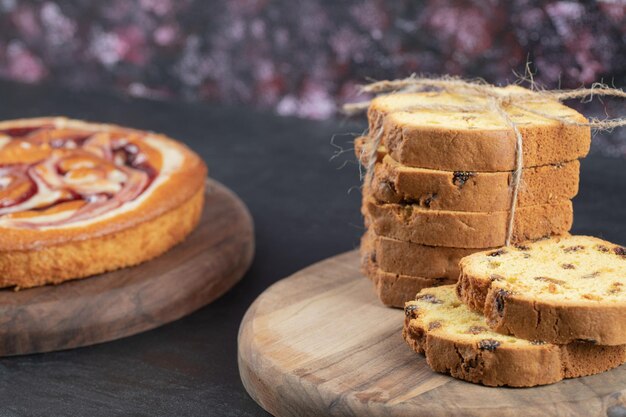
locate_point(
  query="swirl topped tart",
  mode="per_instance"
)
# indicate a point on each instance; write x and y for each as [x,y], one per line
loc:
[78,198]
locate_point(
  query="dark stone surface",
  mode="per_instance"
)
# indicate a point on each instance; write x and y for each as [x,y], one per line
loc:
[304,213]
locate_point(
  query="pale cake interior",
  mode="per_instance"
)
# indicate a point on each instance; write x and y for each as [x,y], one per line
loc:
[442,312]
[567,269]
[400,106]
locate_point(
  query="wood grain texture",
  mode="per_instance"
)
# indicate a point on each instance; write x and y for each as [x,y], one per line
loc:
[109,306]
[320,343]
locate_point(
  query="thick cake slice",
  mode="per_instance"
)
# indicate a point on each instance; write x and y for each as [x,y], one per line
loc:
[408,258]
[394,289]
[457,341]
[78,199]
[472,191]
[558,290]
[470,140]
[462,229]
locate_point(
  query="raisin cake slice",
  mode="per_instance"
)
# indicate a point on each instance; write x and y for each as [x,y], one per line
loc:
[470,190]
[457,341]
[471,140]
[463,229]
[394,289]
[558,290]
[408,258]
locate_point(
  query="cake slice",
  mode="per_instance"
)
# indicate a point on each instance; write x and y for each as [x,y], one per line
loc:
[472,140]
[457,341]
[408,258]
[557,290]
[394,289]
[471,191]
[462,229]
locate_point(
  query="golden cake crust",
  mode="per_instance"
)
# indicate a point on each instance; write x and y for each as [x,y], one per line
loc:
[461,229]
[469,190]
[179,189]
[471,141]
[394,289]
[558,302]
[413,259]
[457,342]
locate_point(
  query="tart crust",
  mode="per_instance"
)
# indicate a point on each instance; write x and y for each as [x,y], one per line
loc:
[31,256]
[55,264]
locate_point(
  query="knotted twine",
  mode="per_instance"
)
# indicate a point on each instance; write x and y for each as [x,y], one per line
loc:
[497,101]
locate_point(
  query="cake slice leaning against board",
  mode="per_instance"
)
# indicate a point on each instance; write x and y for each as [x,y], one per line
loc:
[557,290]
[472,140]
[457,341]
[469,190]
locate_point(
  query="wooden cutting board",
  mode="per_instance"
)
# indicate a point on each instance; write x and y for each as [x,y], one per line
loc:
[113,305]
[319,343]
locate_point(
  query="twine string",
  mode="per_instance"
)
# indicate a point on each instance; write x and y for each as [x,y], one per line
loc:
[498,106]
[373,156]
[495,100]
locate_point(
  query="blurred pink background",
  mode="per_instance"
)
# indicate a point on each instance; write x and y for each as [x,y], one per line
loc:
[306,57]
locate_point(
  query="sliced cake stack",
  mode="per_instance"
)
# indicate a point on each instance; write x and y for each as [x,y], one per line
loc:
[527,315]
[441,184]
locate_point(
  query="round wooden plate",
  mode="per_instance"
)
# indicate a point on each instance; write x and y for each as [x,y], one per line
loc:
[319,343]
[109,306]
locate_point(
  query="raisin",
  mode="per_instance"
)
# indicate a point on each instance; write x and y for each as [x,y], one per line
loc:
[576,248]
[550,280]
[434,325]
[615,288]
[429,298]
[602,248]
[568,266]
[409,309]
[428,200]
[459,178]
[537,342]
[476,329]
[497,252]
[470,363]
[620,251]
[488,344]
[499,300]
[409,201]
